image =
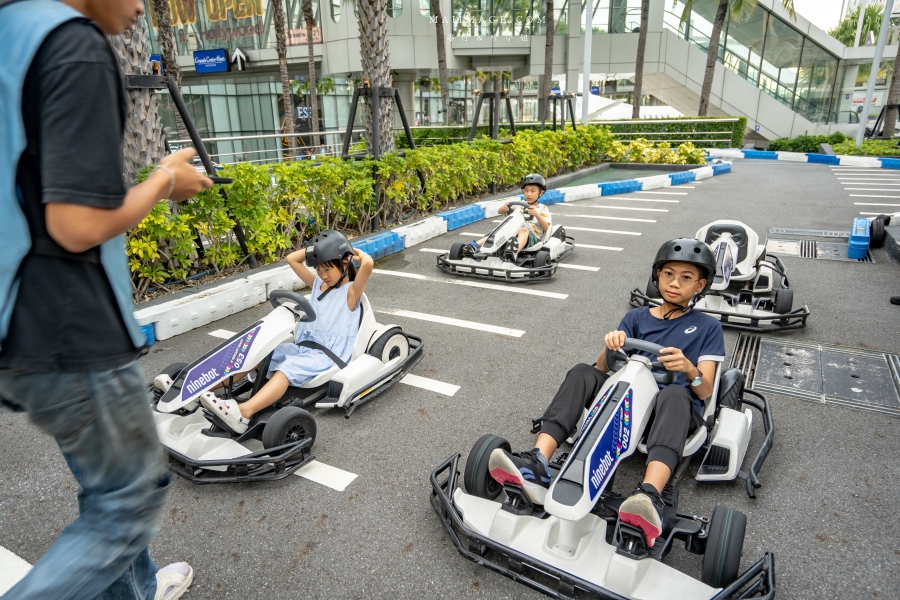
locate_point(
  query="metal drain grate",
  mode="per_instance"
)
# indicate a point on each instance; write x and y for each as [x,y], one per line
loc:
[810,232]
[852,377]
[838,251]
[813,249]
[807,249]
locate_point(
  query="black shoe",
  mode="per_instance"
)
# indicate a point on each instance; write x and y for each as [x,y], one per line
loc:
[523,469]
[470,249]
[510,252]
[644,509]
[895,300]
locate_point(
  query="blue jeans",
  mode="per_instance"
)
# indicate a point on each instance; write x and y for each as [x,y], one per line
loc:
[104,428]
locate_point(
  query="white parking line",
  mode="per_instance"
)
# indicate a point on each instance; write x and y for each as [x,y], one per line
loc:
[886,178]
[876,203]
[457,322]
[608,218]
[622,208]
[577,267]
[867,214]
[873,196]
[12,569]
[613,231]
[336,479]
[620,198]
[666,193]
[222,333]
[432,385]
[868,182]
[487,286]
[869,190]
[612,248]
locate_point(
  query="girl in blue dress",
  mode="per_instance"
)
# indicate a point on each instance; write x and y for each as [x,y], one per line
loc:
[337,287]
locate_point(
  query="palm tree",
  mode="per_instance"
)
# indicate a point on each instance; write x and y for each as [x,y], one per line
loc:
[442,60]
[548,59]
[740,11]
[166,38]
[845,31]
[639,64]
[143,129]
[281,48]
[519,105]
[313,101]
[376,68]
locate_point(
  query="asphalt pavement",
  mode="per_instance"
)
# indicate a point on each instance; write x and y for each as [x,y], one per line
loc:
[826,507]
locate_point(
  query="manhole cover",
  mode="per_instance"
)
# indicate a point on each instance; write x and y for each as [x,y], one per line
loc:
[864,379]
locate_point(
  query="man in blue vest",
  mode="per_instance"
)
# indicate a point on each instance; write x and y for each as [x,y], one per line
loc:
[68,338]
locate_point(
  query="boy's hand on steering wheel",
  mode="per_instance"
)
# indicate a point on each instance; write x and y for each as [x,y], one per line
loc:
[533,212]
[674,360]
[614,340]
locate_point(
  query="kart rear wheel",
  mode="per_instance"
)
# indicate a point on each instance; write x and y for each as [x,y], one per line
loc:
[724,543]
[784,301]
[541,259]
[390,345]
[456,250]
[560,233]
[876,235]
[288,425]
[477,477]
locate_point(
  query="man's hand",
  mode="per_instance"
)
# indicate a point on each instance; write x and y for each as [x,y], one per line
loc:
[614,340]
[188,180]
[674,360]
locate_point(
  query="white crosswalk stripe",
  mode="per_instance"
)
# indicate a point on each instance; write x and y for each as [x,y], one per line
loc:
[456,322]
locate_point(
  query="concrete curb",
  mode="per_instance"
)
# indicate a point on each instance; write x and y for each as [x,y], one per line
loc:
[163,320]
[821,159]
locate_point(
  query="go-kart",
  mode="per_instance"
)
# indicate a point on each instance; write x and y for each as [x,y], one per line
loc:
[538,261]
[575,545]
[750,290]
[278,439]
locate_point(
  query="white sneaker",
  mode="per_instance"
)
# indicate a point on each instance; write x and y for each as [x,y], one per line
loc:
[226,410]
[173,581]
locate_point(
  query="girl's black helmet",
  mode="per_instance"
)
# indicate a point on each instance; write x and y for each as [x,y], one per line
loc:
[687,250]
[326,246]
[534,179]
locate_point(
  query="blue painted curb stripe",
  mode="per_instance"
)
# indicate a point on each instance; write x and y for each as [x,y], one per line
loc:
[683,177]
[619,187]
[823,159]
[760,154]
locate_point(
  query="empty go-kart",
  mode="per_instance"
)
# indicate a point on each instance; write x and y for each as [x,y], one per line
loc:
[278,439]
[575,545]
[492,261]
[750,290]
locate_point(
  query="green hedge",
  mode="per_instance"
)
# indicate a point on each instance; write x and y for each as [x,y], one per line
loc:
[869,148]
[280,205]
[806,143]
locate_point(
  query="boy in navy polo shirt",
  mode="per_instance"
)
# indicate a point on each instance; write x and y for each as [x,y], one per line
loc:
[693,343]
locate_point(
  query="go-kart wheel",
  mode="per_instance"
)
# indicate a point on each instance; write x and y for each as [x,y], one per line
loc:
[456,250]
[288,425]
[541,259]
[560,233]
[390,345]
[724,543]
[876,235]
[784,301]
[652,290]
[477,477]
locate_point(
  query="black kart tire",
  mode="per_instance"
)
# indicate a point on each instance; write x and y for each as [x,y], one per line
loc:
[391,344]
[477,477]
[876,234]
[724,544]
[456,250]
[784,301]
[289,424]
[541,259]
[560,234]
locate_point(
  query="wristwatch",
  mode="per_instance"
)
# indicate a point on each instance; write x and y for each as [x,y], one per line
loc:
[696,381]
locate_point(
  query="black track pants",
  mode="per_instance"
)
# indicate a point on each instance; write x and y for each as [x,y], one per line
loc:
[583,382]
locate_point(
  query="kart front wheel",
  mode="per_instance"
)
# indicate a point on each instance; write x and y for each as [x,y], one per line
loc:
[541,259]
[784,301]
[390,345]
[456,251]
[477,476]
[288,425]
[724,544]
[876,235]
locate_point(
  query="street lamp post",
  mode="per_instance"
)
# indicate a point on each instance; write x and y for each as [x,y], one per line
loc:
[876,63]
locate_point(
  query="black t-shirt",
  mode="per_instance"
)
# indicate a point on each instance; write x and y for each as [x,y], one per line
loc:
[66,317]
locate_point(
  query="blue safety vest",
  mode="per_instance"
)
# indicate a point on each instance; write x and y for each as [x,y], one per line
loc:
[24,25]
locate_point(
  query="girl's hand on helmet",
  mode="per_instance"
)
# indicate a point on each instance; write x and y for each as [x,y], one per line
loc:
[614,340]
[359,256]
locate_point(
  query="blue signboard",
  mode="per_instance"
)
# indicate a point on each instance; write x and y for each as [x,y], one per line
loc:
[555,90]
[157,59]
[211,61]
[595,89]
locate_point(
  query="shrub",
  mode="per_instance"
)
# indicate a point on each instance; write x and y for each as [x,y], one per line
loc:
[869,148]
[806,143]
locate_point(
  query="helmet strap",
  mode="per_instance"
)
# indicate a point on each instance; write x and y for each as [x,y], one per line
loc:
[334,287]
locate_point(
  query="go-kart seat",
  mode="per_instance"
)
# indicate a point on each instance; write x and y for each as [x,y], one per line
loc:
[738,234]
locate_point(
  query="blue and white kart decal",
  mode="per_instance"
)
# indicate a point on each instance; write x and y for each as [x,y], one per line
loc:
[218,366]
[613,441]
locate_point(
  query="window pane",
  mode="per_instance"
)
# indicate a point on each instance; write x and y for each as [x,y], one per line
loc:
[336,10]
[394,8]
[744,44]
[815,82]
[781,60]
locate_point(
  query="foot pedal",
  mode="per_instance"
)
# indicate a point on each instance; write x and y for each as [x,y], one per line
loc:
[334,392]
[629,541]
[325,404]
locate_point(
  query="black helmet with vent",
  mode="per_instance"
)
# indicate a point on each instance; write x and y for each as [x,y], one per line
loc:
[535,179]
[687,250]
[327,245]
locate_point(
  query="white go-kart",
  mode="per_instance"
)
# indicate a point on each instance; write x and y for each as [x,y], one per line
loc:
[493,260]
[750,290]
[574,545]
[279,438]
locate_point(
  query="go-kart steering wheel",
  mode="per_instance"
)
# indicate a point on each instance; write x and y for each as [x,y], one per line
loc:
[524,205]
[302,303]
[616,359]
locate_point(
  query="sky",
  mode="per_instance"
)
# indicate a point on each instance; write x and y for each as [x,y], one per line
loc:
[824,14]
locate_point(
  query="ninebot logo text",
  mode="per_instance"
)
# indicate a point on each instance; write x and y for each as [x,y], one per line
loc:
[599,474]
[202,380]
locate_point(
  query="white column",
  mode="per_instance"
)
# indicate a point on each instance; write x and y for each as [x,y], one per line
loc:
[876,63]
[586,84]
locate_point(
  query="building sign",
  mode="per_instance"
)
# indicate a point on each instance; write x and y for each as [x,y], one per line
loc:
[184,12]
[860,99]
[297,37]
[156,65]
[211,61]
